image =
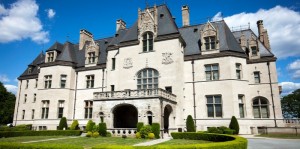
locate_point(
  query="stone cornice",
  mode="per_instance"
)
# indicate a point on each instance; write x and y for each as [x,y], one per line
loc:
[58,63]
[32,76]
[101,66]
[214,55]
[261,60]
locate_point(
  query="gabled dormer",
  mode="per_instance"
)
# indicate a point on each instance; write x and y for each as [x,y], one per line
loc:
[147,22]
[87,43]
[253,48]
[53,52]
[209,39]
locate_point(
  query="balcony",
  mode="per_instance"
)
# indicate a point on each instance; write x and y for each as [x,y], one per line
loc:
[128,94]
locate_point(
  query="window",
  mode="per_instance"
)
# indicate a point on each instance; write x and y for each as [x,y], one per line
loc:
[101,114]
[210,42]
[23,114]
[88,112]
[148,42]
[42,127]
[168,89]
[214,106]
[254,51]
[45,109]
[29,70]
[27,83]
[112,88]
[36,83]
[212,72]
[60,108]
[63,80]
[238,71]
[48,81]
[147,79]
[34,97]
[32,114]
[90,81]
[256,77]
[260,108]
[149,116]
[113,64]
[241,106]
[25,98]
[91,57]
[50,56]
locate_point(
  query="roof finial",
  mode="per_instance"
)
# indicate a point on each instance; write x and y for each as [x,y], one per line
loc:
[146,2]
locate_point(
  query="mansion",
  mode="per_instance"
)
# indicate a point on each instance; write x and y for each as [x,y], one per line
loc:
[155,72]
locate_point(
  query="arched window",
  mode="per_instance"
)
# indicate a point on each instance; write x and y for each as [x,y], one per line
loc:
[260,108]
[147,79]
[148,42]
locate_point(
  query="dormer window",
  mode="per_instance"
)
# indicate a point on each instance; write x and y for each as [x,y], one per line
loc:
[29,70]
[148,42]
[254,50]
[210,42]
[50,56]
[91,57]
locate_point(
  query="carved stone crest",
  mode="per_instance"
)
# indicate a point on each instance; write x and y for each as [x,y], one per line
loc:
[167,58]
[127,63]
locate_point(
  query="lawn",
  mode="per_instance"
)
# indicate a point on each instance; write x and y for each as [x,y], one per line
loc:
[183,142]
[28,138]
[282,136]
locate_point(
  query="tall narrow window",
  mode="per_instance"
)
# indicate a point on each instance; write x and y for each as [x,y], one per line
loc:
[45,109]
[25,98]
[241,106]
[238,71]
[212,72]
[88,109]
[63,80]
[149,116]
[90,81]
[260,108]
[48,81]
[147,79]
[32,114]
[27,83]
[112,88]
[214,106]
[210,42]
[34,97]
[23,115]
[91,57]
[148,42]
[113,63]
[36,83]
[60,108]
[50,56]
[254,50]
[29,69]
[257,77]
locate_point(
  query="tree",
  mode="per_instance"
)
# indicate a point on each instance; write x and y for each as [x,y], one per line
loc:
[291,105]
[89,126]
[75,125]
[7,105]
[190,125]
[102,129]
[234,125]
[63,124]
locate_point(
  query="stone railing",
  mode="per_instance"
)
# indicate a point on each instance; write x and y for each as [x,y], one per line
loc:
[122,131]
[292,121]
[144,93]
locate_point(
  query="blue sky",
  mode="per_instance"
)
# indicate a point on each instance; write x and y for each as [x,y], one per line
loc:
[27,27]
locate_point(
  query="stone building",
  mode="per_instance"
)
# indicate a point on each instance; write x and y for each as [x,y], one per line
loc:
[155,71]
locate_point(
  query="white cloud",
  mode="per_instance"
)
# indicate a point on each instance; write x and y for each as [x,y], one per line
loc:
[4,78]
[51,13]
[217,17]
[282,24]
[294,68]
[289,87]
[11,88]
[20,21]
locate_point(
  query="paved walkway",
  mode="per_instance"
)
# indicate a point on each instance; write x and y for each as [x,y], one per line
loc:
[153,142]
[49,139]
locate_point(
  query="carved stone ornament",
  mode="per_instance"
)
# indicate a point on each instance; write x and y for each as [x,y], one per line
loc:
[167,58]
[127,63]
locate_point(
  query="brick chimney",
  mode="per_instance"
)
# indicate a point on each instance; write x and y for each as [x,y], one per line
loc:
[84,36]
[120,25]
[263,34]
[185,15]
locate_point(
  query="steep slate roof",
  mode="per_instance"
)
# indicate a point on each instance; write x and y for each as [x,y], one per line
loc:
[263,51]
[67,54]
[34,65]
[192,36]
[56,46]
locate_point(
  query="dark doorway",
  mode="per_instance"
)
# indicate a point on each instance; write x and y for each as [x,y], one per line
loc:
[167,112]
[149,115]
[125,116]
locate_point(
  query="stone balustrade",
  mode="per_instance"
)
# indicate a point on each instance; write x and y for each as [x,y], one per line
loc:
[118,132]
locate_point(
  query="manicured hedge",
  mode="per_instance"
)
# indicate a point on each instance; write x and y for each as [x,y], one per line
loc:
[40,133]
[9,145]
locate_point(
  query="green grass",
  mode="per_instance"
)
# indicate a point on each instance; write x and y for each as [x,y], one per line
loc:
[183,142]
[28,138]
[282,136]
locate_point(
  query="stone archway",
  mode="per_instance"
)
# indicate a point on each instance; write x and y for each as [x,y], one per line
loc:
[167,112]
[125,116]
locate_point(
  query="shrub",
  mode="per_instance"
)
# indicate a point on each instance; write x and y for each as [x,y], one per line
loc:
[229,131]
[139,125]
[40,133]
[151,136]
[156,130]
[63,124]
[190,125]
[15,145]
[75,125]
[222,129]
[108,134]
[234,125]
[22,127]
[89,126]
[102,129]
[124,136]
[138,135]
[95,134]
[214,130]
[89,134]
[145,130]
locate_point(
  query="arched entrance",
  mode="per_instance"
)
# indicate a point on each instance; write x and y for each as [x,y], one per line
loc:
[125,116]
[167,111]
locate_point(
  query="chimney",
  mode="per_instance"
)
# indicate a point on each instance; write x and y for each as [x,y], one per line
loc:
[263,34]
[185,15]
[120,25]
[84,36]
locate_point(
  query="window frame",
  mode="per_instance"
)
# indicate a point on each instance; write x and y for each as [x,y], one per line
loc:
[90,80]
[32,114]
[210,43]
[259,105]
[211,72]
[50,56]
[238,70]
[254,50]
[48,81]
[88,109]
[45,109]
[257,78]
[63,82]
[148,41]
[113,63]
[23,114]
[241,104]
[25,98]
[213,104]
[91,57]
[147,80]
[60,111]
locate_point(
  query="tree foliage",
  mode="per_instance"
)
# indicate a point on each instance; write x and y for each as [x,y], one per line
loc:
[75,125]
[102,129]
[7,104]
[190,125]
[234,125]
[291,105]
[63,124]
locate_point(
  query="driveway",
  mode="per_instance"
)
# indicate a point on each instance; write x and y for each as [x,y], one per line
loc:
[270,143]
